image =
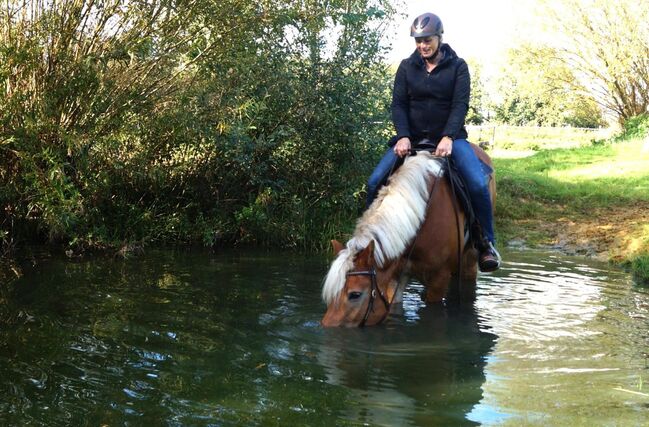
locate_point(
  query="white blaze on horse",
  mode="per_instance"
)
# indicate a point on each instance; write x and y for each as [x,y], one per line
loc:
[413,228]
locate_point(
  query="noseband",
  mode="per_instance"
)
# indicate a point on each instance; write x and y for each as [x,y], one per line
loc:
[374,289]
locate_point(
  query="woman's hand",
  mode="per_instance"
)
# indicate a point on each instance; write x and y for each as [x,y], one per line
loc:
[444,147]
[402,147]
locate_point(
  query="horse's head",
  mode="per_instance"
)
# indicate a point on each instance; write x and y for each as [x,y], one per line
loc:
[360,301]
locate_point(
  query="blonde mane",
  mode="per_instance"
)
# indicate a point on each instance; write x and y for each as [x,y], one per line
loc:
[392,221]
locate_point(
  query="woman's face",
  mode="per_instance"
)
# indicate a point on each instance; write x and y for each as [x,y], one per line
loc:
[426,46]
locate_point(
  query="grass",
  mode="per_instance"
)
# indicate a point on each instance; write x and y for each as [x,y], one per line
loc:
[640,268]
[608,175]
[600,184]
[518,138]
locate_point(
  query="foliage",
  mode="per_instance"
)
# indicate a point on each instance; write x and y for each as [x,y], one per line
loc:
[477,106]
[606,44]
[635,127]
[538,90]
[187,121]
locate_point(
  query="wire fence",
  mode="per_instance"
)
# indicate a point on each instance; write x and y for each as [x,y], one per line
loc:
[536,137]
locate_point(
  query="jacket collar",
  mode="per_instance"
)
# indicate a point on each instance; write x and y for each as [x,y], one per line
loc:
[449,55]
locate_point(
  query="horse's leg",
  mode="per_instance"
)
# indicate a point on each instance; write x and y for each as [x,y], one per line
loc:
[437,285]
[469,275]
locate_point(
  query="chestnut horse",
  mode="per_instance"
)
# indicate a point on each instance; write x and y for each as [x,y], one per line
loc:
[413,228]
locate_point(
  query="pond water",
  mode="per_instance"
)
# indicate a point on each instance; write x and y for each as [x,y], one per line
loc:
[200,338]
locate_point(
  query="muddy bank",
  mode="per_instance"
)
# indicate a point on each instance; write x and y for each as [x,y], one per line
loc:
[613,234]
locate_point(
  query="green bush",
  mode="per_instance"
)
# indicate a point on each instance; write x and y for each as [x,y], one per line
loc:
[206,121]
[635,128]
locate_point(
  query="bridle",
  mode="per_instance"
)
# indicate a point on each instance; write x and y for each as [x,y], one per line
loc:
[374,289]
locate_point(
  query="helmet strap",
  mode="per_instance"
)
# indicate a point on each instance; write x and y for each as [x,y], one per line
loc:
[433,57]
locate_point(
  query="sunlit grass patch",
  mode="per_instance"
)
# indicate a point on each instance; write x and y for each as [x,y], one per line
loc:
[610,174]
[603,185]
[627,160]
[627,169]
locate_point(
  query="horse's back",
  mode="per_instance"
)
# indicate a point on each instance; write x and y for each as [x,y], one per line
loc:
[482,154]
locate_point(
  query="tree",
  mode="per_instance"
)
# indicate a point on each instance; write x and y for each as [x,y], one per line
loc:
[477,106]
[538,89]
[186,120]
[606,45]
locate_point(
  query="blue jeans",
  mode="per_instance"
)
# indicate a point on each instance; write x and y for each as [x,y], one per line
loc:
[382,171]
[467,163]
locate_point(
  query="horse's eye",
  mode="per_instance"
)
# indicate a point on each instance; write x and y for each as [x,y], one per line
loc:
[354,295]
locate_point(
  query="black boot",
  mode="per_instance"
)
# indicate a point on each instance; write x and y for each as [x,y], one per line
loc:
[489,258]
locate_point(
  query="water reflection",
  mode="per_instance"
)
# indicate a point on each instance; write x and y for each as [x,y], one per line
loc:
[427,373]
[196,338]
[567,342]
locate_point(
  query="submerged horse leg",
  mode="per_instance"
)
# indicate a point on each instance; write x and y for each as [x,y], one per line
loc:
[469,273]
[465,290]
[436,286]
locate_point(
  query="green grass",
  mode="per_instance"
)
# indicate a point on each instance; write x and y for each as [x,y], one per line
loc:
[640,269]
[575,183]
[609,175]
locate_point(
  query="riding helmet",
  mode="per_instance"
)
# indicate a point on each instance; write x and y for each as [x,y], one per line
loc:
[426,25]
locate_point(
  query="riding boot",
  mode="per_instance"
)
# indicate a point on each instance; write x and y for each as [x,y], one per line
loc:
[489,259]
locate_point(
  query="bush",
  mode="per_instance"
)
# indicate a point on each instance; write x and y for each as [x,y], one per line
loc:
[187,125]
[635,128]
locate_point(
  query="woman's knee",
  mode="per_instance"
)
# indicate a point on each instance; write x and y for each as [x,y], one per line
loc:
[476,183]
[468,164]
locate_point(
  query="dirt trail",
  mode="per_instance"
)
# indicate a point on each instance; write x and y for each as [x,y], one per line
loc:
[606,233]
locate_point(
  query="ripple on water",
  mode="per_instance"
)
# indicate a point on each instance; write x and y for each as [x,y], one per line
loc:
[234,339]
[564,327]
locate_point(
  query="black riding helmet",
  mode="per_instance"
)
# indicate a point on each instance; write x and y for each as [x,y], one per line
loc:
[427,25]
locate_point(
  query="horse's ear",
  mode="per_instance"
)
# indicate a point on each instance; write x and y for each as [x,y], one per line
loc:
[337,246]
[367,254]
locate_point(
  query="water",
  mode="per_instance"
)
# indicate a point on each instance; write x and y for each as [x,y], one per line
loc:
[196,338]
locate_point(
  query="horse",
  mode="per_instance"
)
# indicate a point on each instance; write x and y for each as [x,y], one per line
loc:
[415,227]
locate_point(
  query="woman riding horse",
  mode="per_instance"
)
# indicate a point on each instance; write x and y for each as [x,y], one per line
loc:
[430,101]
[415,226]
